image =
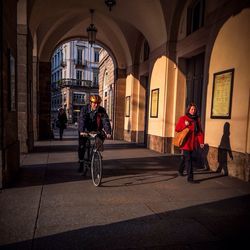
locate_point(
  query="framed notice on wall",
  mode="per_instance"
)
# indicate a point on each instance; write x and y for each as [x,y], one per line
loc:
[127,106]
[12,82]
[154,103]
[222,94]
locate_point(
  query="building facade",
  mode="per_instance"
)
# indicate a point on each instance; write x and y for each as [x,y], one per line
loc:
[106,82]
[74,76]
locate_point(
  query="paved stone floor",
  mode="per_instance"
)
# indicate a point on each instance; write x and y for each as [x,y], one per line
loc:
[141,204]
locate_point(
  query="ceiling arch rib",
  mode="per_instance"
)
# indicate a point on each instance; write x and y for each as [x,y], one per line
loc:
[44,9]
[49,34]
[145,16]
[108,34]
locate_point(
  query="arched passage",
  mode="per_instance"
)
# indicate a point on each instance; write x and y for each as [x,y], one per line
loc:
[44,96]
[118,32]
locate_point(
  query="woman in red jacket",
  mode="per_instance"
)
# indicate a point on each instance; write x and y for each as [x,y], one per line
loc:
[195,138]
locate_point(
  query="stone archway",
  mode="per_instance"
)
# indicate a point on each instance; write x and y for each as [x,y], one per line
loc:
[44,97]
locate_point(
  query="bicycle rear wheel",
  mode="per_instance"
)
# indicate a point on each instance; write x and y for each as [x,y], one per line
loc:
[96,168]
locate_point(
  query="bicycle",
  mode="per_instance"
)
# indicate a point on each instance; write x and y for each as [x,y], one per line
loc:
[93,157]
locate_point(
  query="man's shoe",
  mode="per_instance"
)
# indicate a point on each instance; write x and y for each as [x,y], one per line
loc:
[193,181]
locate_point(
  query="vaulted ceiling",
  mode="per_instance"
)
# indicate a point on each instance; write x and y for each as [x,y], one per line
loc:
[52,22]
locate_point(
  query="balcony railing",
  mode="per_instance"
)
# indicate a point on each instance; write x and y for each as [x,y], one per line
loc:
[78,102]
[73,83]
[80,63]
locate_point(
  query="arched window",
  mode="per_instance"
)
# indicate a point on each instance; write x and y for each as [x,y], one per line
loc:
[105,80]
[195,16]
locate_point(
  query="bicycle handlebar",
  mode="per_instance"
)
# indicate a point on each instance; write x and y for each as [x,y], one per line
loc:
[90,133]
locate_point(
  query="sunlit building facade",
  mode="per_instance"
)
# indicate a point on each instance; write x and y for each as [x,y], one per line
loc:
[106,82]
[74,76]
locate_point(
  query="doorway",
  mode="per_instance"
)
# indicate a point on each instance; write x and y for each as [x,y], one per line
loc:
[194,80]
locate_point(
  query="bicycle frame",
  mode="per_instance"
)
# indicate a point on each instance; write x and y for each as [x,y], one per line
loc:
[93,158]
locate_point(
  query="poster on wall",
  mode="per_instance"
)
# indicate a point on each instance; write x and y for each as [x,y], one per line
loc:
[12,82]
[222,94]
[154,103]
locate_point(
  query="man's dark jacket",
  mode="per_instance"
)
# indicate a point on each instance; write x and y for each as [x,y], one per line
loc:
[94,120]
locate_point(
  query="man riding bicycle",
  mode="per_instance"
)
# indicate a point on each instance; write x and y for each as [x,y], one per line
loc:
[93,117]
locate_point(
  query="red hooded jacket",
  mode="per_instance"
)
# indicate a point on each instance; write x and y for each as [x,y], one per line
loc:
[194,139]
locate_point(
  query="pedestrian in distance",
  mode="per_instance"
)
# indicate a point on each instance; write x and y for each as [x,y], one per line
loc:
[195,139]
[61,121]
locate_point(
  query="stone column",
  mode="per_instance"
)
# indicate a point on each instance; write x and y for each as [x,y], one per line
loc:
[30,90]
[22,86]
[25,88]
[9,144]
[34,97]
[1,95]
[119,100]
[44,97]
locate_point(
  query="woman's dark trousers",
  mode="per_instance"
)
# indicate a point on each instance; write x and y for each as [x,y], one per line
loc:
[187,163]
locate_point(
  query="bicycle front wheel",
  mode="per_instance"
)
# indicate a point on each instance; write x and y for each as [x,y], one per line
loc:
[96,168]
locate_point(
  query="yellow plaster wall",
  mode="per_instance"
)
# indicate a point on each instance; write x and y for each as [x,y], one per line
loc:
[232,50]
[171,98]
[135,104]
[158,80]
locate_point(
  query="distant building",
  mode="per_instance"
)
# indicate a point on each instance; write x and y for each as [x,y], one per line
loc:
[106,81]
[74,76]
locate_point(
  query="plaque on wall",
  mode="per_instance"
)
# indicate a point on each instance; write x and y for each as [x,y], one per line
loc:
[222,94]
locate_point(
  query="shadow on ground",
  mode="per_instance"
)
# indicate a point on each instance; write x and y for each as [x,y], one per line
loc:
[217,225]
[116,172]
[146,170]
[74,148]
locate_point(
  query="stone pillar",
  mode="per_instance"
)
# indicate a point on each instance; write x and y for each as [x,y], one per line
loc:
[9,144]
[34,97]
[24,76]
[142,110]
[30,90]
[1,94]
[119,101]
[44,96]
[22,87]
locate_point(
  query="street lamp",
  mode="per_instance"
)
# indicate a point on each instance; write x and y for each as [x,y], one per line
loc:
[110,3]
[91,30]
